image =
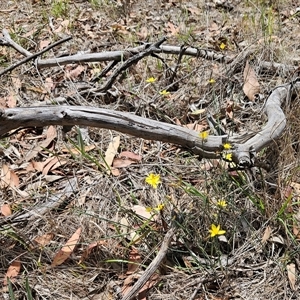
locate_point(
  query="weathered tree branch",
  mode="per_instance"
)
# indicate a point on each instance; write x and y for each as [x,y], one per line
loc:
[153,266]
[243,153]
[167,49]
[33,56]
[8,41]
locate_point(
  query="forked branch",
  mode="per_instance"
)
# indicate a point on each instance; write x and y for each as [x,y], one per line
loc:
[243,153]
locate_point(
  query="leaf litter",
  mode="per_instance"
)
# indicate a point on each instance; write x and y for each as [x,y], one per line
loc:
[100,201]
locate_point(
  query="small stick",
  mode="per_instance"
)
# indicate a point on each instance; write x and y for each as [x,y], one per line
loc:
[9,42]
[129,62]
[152,267]
[33,56]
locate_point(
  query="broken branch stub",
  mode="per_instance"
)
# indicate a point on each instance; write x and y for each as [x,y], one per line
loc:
[243,153]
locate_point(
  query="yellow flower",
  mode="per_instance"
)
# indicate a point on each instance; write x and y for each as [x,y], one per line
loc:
[222,203]
[148,209]
[228,156]
[151,80]
[164,93]
[203,135]
[222,46]
[216,230]
[159,207]
[153,180]
[227,146]
[211,80]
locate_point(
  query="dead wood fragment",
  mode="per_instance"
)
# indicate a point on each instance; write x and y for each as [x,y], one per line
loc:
[131,61]
[8,41]
[154,265]
[33,56]
[243,153]
[167,49]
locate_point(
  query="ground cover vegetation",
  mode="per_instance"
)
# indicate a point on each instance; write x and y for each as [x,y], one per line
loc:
[92,213]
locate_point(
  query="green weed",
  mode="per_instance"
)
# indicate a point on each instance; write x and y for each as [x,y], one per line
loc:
[60,8]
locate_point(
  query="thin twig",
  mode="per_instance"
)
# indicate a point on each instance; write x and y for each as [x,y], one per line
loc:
[196,291]
[129,62]
[33,56]
[152,267]
[7,41]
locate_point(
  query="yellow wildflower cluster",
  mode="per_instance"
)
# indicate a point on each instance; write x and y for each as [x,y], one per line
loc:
[203,135]
[222,203]
[222,46]
[216,230]
[153,180]
[151,79]
[159,207]
[227,146]
[227,155]
[164,93]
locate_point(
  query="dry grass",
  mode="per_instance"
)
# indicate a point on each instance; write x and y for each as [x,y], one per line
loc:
[243,267]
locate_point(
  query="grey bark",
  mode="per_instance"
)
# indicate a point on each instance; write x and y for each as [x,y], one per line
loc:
[243,153]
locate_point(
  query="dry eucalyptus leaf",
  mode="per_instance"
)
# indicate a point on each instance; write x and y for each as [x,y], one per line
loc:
[5,210]
[111,151]
[51,135]
[141,211]
[8,177]
[64,253]
[291,272]
[44,239]
[12,271]
[267,234]
[251,85]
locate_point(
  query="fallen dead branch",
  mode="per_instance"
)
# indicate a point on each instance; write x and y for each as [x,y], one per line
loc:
[33,56]
[244,148]
[167,49]
[153,266]
[122,55]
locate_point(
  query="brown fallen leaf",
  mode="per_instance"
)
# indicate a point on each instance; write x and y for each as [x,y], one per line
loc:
[131,279]
[44,43]
[291,272]
[122,163]
[142,212]
[49,84]
[53,164]
[51,135]
[44,239]
[251,85]
[64,253]
[195,126]
[77,151]
[143,33]
[130,155]
[89,249]
[11,100]
[172,29]
[134,261]
[148,285]
[63,27]
[8,177]
[5,176]
[75,72]
[5,210]
[111,152]
[12,271]
[125,159]
[267,234]
[120,28]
